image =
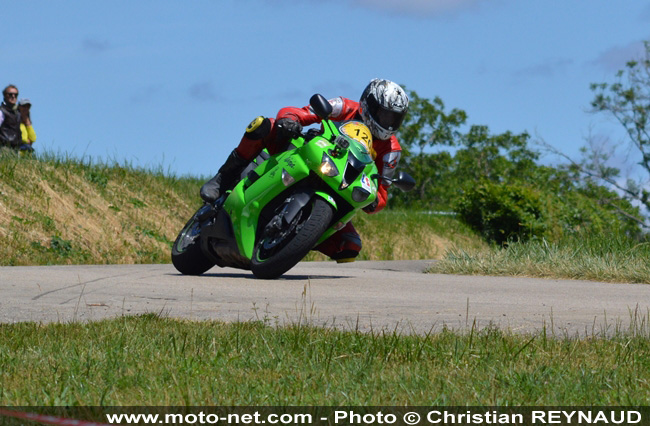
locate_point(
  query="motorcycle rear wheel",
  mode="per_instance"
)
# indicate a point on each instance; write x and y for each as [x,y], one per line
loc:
[187,256]
[305,230]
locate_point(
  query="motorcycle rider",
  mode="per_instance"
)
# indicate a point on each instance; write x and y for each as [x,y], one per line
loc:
[382,107]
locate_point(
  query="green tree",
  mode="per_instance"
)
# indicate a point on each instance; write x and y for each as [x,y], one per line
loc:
[494,157]
[546,202]
[628,102]
[505,212]
[577,206]
[462,158]
[427,125]
[495,184]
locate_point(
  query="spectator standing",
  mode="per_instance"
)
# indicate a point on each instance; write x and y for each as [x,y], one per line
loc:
[10,135]
[26,128]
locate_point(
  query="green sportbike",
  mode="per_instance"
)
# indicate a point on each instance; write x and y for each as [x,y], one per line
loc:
[288,204]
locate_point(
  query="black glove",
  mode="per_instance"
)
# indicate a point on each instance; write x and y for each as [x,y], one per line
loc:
[372,206]
[287,128]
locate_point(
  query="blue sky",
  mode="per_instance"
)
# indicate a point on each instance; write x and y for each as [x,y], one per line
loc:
[175,83]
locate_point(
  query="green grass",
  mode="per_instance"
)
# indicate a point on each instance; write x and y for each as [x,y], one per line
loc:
[612,258]
[59,210]
[149,360]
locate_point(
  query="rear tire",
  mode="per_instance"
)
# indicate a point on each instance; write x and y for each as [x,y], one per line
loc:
[305,233]
[187,256]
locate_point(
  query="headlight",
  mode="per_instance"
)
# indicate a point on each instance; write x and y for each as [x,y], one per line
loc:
[327,167]
[360,194]
[287,179]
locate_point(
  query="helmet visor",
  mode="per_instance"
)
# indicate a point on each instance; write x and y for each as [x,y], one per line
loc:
[387,119]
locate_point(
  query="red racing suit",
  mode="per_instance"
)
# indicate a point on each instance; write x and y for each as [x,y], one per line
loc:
[346,243]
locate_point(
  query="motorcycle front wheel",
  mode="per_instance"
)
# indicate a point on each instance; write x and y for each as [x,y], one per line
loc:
[187,256]
[277,251]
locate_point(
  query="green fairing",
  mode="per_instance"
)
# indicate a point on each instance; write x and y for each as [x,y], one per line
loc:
[244,207]
[285,207]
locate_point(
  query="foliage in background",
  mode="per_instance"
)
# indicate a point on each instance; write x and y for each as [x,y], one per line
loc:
[581,207]
[504,213]
[461,159]
[518,210]
[495,183]
[628,102]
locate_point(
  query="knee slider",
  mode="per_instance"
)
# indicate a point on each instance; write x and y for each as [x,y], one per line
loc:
[259,128]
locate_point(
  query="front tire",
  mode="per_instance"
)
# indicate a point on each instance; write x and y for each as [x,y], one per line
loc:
[273,255]
[187,256]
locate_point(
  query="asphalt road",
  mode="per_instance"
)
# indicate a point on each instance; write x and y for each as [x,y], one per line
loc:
[362,295]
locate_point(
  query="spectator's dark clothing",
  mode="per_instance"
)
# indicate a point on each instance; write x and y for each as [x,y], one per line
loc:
[10,134]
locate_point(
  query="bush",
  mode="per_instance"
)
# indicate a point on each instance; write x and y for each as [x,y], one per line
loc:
[503,212]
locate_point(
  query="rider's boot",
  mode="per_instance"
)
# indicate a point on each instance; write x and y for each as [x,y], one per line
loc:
[225,179]
[343,246]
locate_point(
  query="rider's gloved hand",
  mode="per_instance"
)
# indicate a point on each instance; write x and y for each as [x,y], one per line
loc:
[372,206]
[287,128]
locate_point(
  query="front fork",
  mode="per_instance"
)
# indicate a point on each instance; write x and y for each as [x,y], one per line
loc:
[292,207]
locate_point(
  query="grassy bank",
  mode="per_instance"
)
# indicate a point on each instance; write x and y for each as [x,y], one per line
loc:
[614,258]
[156,361]
[58,210]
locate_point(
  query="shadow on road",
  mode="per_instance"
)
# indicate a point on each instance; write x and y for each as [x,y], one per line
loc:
[250,276]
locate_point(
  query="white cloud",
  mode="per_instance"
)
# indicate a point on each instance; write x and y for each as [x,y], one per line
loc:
[548,68]
[203,91]
[420,7]
[615,58]
[146,94]
[94,45]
